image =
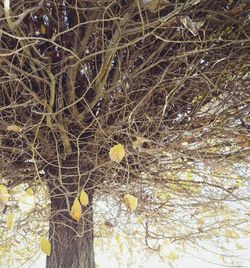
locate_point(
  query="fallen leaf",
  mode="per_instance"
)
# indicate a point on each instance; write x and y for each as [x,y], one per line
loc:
[130,201]
[84,198]
[76,210]
[14,128]
[45,246]
[117,153]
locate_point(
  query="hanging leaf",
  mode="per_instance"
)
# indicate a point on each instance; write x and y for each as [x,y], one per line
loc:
[139,142]
[29,191]
[172,256]
[231,234]
[130,201]
[43,29]
[200,221]
[139,220]
[4,195]
[10,221]
[239,246]
[45,246]
[76,210]
[84,198]
[117,153]
[14,128]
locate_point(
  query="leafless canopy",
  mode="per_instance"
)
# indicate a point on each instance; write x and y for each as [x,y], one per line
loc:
[167,79]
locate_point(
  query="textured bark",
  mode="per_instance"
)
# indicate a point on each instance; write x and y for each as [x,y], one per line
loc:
[71,242]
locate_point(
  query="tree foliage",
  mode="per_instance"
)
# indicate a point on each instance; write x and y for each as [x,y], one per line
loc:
[104,100]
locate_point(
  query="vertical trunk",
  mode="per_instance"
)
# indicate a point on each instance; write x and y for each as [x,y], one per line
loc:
[71,242]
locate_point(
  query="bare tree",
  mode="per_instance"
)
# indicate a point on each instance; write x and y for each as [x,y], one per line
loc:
[169,80]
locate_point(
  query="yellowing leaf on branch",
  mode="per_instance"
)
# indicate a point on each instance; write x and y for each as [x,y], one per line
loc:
[84,198]
[10,221]
[139,220]
[43,29]
[130,201]
[4,195]
[76,210]
[172,256]
[117,153]
[14,128]
[200,221]
[239,246]
[45,246]
[231,234]
[29,191]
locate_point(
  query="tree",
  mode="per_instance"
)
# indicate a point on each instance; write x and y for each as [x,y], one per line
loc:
[167,81]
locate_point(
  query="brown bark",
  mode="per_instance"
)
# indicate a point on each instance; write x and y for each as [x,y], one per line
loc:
[71,242]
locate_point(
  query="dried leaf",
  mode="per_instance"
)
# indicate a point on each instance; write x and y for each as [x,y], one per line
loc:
[84,198]
[238,9]
[243,140]
[139,142]
[4,195]
[76,210]
[130,201]
[10,221]
[45,246]
[155,5]
[117,153]
[14,128]
[193,27]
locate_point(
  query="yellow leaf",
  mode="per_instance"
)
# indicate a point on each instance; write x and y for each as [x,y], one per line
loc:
[239,246]
[121,248]
[14,128]
[84,198]
[29,191]
[117,239]
[45,246]
[10,221]
[43,29]
[231,234]
[130,201]
[76,210]
[139,220]
[172,256]
[4,195]
[200,221]
[117,153]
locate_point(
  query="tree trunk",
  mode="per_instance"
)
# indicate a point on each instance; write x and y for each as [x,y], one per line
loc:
[71,242]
